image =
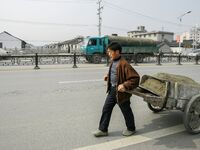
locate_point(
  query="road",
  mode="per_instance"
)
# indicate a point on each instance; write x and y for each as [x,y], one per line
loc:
[59,108]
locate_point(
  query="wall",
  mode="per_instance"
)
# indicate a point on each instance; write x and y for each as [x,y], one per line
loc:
[10,42]
[154,36]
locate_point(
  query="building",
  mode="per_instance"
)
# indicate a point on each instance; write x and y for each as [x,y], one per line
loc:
[153,35]
[192,35]
[140,29]
[165,48]
[8,41]
[191,39]
[69,46]
[195,35]
[183,36]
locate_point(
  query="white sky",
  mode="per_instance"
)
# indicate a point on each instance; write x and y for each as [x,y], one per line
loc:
[45,21]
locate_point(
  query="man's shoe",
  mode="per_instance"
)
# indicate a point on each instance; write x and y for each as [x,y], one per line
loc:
[128,132]
[100,133]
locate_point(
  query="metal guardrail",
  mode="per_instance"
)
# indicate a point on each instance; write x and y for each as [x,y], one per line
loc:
[74,59]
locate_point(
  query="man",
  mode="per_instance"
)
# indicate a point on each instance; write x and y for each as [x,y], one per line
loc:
[121,77]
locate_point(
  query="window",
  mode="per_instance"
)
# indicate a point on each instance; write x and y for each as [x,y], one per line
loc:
[1,45]
[162,36]
[92,42]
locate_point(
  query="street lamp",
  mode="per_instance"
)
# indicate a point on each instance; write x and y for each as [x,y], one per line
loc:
[181,16]
[180,19]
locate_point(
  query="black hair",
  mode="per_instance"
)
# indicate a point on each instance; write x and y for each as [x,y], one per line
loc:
[115,46]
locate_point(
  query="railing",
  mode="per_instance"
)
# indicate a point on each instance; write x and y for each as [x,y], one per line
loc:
[74,59]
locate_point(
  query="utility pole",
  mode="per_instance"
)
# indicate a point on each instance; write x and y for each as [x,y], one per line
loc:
[100,7]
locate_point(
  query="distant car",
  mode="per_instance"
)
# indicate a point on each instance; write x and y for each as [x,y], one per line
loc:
[4,52]
[194,53]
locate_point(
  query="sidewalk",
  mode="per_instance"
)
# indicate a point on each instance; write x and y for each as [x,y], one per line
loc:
[59,66]
[83,66]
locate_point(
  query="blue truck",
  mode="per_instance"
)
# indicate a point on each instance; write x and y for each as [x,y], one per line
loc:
[94,48]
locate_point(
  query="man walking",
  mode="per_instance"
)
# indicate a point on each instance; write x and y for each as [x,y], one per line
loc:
[121,77]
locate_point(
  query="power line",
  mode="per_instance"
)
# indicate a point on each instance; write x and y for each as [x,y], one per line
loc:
[113,6]
[100,26]
[58,24]
[64,1]
[115,28]
[45,23]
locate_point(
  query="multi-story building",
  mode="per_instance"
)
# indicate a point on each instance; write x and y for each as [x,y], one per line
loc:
[192,35]
[140,29]
[154,35]
[195,34]
[184,36]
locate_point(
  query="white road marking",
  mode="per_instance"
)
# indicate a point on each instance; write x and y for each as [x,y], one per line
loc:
[124,142]
[80,81]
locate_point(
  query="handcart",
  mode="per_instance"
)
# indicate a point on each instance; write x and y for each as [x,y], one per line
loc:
[169,91]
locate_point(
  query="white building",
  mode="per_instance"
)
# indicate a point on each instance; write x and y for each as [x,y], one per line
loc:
[153,35]
[193,34]
[8,41]
[140,29]
[185,36]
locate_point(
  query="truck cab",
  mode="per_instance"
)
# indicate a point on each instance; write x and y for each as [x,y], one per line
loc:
[93,48]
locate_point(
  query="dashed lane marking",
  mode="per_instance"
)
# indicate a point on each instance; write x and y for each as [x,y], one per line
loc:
[79,81]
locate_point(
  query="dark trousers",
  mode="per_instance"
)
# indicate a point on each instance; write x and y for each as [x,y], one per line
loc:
[109,104]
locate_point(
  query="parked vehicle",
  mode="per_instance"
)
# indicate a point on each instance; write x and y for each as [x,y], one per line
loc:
[95,47]
[194,53]
[3,54]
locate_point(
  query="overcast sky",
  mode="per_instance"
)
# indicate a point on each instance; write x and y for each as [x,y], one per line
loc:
[46,21]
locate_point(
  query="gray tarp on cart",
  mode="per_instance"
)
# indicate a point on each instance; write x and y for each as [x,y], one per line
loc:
[179,91]
[171,91]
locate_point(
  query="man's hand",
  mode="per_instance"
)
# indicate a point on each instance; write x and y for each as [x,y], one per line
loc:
[121,88]
[106,78]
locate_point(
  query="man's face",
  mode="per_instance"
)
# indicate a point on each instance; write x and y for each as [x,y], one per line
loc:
[113,54]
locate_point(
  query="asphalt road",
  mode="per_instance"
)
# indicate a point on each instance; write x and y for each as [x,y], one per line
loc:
[59,108]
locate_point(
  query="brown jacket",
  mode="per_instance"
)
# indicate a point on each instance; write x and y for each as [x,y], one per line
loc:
[127,76]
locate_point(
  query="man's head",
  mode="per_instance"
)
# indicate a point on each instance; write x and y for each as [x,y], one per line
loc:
[114,50]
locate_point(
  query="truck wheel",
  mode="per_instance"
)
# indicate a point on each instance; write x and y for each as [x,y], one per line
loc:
[89,59]
[128,59]
[155,109]
[96,59]
[191,116]
[140,58]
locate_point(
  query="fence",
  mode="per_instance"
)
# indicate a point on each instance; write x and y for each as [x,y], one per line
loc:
[74,59]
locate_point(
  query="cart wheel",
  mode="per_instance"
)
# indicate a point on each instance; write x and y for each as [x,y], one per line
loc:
[191,117]
[155,109]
